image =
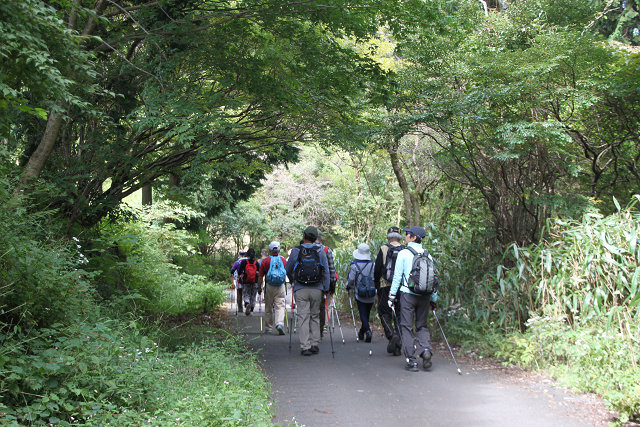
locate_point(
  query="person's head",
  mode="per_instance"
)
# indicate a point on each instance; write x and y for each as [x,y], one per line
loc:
[274,248]
[393,234]
[310,234]
[264,253]
[251,254]
[414,234]
[363,252]
[242,254]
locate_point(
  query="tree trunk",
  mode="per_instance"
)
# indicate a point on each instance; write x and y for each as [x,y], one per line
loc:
[392,150]
[39,157]
[147,195]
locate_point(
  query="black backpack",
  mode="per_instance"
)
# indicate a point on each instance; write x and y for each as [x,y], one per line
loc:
[364,284]
[423,279]
[390,261]
[308,269]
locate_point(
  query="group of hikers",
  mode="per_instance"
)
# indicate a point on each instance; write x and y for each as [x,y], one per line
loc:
[402,278]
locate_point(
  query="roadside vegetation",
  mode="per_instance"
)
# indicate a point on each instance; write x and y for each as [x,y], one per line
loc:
[509,128]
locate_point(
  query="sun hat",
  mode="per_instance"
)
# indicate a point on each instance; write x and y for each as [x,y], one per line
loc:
[363,252]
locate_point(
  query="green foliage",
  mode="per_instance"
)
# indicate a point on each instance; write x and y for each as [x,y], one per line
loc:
[107,373]
[135,259]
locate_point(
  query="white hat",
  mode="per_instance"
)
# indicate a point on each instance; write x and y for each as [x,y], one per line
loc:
[274,246]
[363,252]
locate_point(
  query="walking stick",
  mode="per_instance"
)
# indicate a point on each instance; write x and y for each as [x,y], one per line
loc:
[260,309]
[373,320]
[293,316]
[393,308]
[353,317]
[335,312]
[326,308]
[445,340]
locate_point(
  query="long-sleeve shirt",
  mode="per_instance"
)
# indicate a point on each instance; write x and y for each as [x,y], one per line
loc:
[404,262]
[293,261]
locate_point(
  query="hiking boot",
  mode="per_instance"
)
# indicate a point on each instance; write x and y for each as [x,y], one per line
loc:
[247,310]
[411,367]
[306,352]
[280,329]
[360,335]
[314,349]
[397,351]
[367,336]
[391,345]
[426,359]
[268,331]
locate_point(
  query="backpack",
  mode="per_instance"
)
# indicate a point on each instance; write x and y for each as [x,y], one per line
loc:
[364,283]
[308,268]
[390,261]
[276,274]
[423,279]
[251,272]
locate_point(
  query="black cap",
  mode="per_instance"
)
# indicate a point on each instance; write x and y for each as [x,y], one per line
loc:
[311,232]
[393,230]
[416,231]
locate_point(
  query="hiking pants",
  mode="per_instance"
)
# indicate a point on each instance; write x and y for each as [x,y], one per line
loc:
[308,306]
[249,292]
[364,308]
[273,304]
[414,307]
[386,314]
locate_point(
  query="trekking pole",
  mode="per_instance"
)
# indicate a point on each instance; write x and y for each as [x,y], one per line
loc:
[353,317]
[326,309]
[260,309]
[393,308]
[293,320]
[373,320]
[445,340]
[335,312]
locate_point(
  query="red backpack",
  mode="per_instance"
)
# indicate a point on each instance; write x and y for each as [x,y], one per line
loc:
[251,272]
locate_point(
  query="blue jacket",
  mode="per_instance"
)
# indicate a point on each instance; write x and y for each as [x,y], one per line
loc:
[404,262]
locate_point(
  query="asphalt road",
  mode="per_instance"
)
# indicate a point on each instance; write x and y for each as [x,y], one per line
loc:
[353,389]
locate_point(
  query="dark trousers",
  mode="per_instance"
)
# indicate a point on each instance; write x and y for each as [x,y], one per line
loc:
[414,308]
[386,314]
[364,308]
[239,298]
[322,314]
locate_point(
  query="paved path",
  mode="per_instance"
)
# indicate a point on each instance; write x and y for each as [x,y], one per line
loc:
[353,389]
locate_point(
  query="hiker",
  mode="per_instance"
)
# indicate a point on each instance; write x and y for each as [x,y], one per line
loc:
[248,270]
[360,277]
[273,274]
[237,280]
[333,278]
[382,277]
[309,275]
[413,304]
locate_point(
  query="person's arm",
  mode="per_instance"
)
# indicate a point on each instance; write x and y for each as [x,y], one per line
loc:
[291,263]
[326,281]
[398,272]
[377,271]
[351,277]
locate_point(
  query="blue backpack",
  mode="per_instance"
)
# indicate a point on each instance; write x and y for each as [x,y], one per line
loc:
[276,274]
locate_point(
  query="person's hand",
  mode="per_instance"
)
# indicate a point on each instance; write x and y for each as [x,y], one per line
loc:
[391,301]
[433,305]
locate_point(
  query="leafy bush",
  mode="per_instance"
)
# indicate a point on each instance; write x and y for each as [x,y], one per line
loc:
[134,258]
[107,373]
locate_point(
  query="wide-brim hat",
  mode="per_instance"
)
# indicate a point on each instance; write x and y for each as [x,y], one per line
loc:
[363,252]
